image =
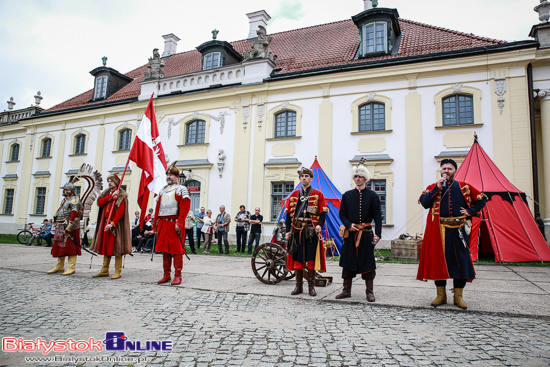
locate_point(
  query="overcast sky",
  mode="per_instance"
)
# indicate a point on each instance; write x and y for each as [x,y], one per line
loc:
[52,45]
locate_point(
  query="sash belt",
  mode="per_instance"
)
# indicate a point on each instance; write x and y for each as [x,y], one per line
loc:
[365,227]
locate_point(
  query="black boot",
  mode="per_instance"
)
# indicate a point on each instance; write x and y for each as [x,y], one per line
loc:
[299,283]
[311,282]
[370,292]
[346,292]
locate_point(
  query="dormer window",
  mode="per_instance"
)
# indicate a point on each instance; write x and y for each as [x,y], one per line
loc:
[212,61]
[375,38]
[100,91]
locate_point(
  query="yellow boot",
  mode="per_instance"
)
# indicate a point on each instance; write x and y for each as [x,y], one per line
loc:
[72,265]
[441,297]
[118,267]
[60,266]
[458,300]
[104,272]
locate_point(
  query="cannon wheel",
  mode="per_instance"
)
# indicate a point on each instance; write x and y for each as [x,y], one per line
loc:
[269,263]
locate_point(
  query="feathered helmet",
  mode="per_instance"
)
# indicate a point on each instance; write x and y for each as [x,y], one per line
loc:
[360,170]
[114,178]
[173,169]
[69,186]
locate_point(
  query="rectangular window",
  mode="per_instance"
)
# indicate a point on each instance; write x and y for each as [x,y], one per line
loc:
[375,38]
[46,147]
[100,87]
[8,201]
[458,109]
[40,200]
[379,187]
[212,61]
[279,190]
[14,157]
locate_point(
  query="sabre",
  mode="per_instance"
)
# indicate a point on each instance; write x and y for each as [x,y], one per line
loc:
[79,245]
[182,246]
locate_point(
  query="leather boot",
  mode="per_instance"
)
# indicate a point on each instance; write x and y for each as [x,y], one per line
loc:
[104,272]
[441,298]
[118,267]
[167,266]
[72,265]
[178,265]
[311,282]
[346,292]
[60,266]
[458,300]
[370,291]
[299,283]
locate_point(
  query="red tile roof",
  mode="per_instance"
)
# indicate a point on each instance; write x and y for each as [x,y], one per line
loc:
[320,46]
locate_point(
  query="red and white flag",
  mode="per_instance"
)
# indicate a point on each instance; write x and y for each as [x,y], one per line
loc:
[148,154]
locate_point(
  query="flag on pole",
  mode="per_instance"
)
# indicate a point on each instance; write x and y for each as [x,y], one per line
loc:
[147,153]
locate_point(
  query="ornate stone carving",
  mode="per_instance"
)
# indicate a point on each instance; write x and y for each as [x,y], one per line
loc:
[370,96]
[38,98]
[284,105]
[11,103]
[154,66]
[544,95]
[544,10]
[171,122]
[221,119]
[260,46]
[260,112]
[457,87]
[246,114]
[500,89]
[221,161]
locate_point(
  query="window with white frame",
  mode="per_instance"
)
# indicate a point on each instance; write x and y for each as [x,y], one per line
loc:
[8,201]
[285,124]
[100,87]
[211,60]
[379,187]
[375,38]
[372,117]
[124,139]
[458,109]
[80,144]
[14,154]
[46,148]
[40,200]
[279,190]
[195,132]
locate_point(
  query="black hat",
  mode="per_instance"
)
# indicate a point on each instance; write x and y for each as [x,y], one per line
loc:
[448,161]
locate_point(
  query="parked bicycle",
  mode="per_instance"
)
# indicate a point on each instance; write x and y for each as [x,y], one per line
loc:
[28,235]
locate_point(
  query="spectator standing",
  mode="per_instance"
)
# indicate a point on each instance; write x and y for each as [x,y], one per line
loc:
[255,221]
[242,218]
[222,226]
[189,220]
[136,231]
[207,229]
[200,223]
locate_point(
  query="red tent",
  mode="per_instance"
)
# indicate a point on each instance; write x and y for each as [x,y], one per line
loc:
[507,227]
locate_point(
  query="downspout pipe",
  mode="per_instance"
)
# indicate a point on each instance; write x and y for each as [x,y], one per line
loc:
[531,98]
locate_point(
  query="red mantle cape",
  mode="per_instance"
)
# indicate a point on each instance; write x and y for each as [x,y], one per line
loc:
[433,265]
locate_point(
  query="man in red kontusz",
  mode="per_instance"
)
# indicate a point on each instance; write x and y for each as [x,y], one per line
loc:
[112,237]
[173,204]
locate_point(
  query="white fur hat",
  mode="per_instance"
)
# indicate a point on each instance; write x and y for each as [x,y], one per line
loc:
[360,171]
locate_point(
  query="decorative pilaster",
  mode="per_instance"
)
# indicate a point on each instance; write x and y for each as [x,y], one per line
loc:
[544,96]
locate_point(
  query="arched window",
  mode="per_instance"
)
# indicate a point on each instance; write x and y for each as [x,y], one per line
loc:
[195,132]
[372,117]
[124,139]
[458,109]
[14,154]
[285,124]
[46,148]
[80,144]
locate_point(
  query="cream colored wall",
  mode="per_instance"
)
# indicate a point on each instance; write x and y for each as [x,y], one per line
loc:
[413,148]
[325,131]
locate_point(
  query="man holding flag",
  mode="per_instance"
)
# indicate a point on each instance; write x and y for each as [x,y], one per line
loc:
[174,203]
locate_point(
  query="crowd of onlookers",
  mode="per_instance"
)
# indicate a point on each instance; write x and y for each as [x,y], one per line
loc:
[206,228]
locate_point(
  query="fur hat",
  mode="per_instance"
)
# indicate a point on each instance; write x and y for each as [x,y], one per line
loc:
[114,178]
[173,169]
[305,171]
[448,161]
[360,170]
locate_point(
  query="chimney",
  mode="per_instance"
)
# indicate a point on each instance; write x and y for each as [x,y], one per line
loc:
[256,19]
[170,44]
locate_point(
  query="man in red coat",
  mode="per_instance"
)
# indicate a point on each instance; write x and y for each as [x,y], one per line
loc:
[445,253]
[306,214]
[67,230]
[114,237]
[173,204]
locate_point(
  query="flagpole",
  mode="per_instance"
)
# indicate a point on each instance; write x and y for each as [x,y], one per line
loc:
[118,188]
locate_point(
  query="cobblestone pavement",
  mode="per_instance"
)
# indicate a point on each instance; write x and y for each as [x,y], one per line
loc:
[211,328]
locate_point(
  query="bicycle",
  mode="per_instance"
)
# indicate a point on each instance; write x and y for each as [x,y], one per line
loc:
[27,236]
